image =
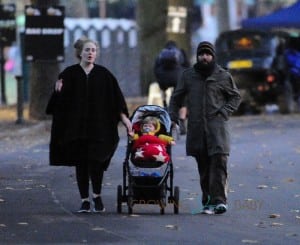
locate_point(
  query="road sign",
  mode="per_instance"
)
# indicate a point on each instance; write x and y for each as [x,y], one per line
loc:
[176,22]
[44,33]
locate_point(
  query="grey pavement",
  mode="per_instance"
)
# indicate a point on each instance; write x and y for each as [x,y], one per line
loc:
[37,202]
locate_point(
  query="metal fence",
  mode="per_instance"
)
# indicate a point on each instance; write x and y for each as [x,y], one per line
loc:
[118,43]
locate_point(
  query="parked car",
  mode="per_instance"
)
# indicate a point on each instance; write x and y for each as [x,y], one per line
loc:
[250,56]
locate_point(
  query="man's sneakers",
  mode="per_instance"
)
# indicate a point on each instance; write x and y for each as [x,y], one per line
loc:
[220,208]
[208,209]
[214,209]
[85,207]
[98,205]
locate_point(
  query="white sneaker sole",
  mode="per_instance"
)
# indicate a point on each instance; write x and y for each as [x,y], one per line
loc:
[207,212]
[99,211]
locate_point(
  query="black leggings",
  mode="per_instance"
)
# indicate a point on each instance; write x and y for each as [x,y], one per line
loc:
[85,172]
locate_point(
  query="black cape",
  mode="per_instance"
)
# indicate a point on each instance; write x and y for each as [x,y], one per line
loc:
[86,110]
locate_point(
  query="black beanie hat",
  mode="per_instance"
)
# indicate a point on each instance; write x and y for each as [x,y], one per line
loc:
[206,47]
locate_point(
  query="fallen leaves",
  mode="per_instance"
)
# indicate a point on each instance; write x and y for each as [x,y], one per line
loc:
[262,186]
[98,229]
[261,224]
[289,180]
[291,234]
[249,241]
[172,227]
[276,224]
[22,223]
[297,150]
[191,196]
[134,215]
[274,216]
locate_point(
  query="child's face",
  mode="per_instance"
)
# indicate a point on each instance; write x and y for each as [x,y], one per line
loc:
[148,127]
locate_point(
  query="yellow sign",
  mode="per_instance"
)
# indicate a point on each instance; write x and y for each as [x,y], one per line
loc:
[238,64]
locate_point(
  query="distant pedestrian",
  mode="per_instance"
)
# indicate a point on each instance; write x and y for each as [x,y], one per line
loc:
[168,67]
[292,56]
[211,96]
[86,106]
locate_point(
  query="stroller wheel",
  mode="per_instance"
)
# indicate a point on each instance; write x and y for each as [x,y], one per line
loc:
[176,200]
[119,199]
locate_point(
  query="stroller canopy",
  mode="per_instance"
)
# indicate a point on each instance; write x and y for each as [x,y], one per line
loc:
[152,110]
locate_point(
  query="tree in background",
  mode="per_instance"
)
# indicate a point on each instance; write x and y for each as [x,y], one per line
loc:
[121,9]
[152,23]
[183,39]
[75,8]
[42,76]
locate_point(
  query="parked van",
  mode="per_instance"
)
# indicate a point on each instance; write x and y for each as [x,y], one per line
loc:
[250,56]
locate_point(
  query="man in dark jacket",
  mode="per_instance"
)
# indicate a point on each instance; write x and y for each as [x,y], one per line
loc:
[211,96]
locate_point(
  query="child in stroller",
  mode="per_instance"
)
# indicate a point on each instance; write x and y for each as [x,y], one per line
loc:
[147,145]
[148,167]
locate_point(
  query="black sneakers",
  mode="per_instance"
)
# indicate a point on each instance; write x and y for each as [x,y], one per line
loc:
[85,207]
[208,209]
[214,209]
[98,205]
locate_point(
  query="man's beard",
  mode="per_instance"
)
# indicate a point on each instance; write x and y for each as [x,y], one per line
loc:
[205,68]
[204,65]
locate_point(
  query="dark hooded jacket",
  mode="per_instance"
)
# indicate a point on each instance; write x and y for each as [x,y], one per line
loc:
[210,101]
[87,109]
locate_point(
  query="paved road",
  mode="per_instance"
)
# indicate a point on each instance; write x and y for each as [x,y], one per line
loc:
[37,201]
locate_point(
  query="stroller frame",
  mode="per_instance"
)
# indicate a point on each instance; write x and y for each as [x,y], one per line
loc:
[147,189]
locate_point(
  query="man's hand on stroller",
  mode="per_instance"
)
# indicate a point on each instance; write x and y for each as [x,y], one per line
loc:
[174,124]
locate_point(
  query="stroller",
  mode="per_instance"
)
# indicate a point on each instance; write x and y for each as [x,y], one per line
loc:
[148,182]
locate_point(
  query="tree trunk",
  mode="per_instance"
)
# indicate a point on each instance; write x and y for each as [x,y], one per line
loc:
[152,22]
[183,40]
[223,15]
[43,74]
[75,8]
